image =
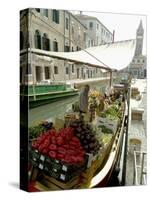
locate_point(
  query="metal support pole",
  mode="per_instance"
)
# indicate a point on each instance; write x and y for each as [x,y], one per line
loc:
[142,167]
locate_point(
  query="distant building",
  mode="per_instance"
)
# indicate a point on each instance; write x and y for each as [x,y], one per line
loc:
[137,67]
[97,32]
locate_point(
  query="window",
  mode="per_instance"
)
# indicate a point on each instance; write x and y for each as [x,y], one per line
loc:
[66,49]
[133,61]
[92,43]
[67,23]
[38,70]
[45,12]
[96,70]
[143,61]
[55,45]
[37,39]
[84,36]
[67,70]
[56,16]
[91,25]
[72,29]
[38,10]
[97,40]
[47,73]
[97,26]
[55,70]
[138,61]
[89,42]
[72,68]
[45,42]
[21,40]
[72,49]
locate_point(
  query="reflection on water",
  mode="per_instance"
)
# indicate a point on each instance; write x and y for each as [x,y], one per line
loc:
[57,109]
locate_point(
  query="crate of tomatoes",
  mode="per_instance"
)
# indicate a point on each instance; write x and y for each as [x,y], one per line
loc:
[60,154]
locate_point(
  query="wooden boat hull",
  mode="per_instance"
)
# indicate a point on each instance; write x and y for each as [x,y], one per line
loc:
[43,94]
[42,99]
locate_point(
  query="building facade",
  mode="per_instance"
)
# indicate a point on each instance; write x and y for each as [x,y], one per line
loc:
[97,32]
[54,30]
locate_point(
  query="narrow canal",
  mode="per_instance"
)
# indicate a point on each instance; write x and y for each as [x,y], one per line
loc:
[58,108]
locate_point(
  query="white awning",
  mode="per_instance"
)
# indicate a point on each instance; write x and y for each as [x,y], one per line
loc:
[117,55]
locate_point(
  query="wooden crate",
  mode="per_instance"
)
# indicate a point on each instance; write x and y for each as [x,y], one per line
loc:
[56,184]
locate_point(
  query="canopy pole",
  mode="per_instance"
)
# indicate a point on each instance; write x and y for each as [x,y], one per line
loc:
[110,81]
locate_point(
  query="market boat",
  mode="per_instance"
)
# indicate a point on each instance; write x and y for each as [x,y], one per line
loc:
[46,93]
[99,168]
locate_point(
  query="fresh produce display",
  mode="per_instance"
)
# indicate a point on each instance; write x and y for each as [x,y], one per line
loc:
[35,131]
[106,138]
[86,136]
[105,129]
[62,145]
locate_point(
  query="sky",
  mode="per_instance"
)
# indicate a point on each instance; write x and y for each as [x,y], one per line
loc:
[124,25]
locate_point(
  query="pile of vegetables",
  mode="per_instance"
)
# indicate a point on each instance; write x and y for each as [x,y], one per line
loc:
[35,131]
[105,129]
[112,112]
[62,145]
[86,136]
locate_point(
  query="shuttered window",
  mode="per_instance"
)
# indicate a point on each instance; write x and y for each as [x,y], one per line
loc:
[45,12]
[47,73]
[56,16]
[37,39]
[55,45]
[45,42]
[55,70]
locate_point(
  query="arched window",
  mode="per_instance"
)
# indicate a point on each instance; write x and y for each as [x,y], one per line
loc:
[55,45]
[21,40]
[45,42]
[37,39]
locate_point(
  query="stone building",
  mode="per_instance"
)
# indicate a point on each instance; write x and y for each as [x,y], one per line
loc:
[97,32]
[55,30]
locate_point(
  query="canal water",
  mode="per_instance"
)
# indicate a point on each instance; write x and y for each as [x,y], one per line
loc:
[57,109]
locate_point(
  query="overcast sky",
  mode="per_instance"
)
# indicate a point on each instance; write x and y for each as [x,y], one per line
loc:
[125,25]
